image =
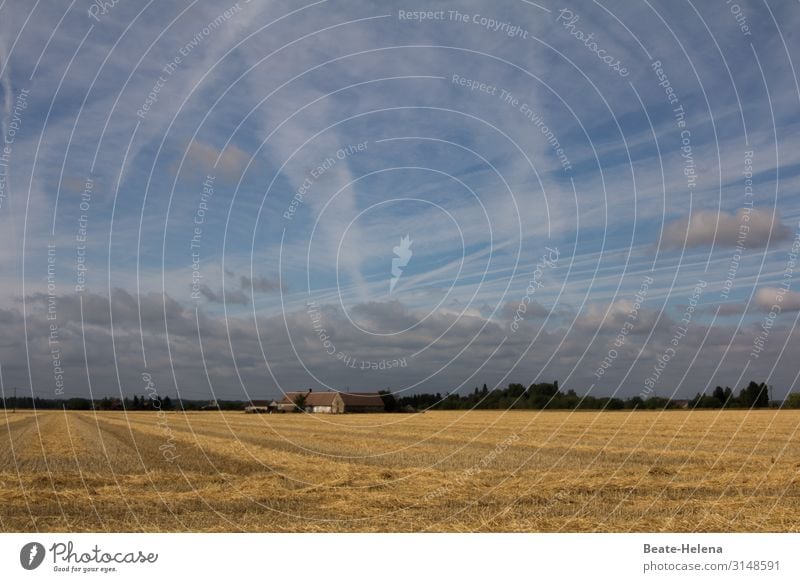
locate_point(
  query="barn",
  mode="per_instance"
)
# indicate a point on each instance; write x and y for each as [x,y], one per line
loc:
[333,402]
[362,402]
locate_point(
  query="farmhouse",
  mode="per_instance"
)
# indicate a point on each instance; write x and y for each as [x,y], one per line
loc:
[333,402]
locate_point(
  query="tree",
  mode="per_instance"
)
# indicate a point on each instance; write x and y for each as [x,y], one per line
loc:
[705,401]
[719,394]
[135,402]
[544,390]
[762,399]
[389,401]
[656,403]
[633,402]
[755,395]
[300,402]
[78,404]
[515,390]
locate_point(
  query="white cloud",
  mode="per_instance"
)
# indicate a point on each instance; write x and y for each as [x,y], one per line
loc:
[203,156]
[766,297]
[753,228]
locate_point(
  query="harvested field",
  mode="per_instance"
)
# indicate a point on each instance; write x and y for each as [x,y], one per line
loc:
[440,471]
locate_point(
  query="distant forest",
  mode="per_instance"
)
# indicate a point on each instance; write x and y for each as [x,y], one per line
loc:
[548,396]
[514,397]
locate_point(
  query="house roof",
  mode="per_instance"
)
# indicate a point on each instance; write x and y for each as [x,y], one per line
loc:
[312,398]
[362,399]
[327,398]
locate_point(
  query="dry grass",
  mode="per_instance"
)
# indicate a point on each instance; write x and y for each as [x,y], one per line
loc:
[440,471]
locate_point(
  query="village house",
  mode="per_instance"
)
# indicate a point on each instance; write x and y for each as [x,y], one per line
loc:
[332,402]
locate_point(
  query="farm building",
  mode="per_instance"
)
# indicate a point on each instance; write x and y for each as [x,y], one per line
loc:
[363,402]
[333,402]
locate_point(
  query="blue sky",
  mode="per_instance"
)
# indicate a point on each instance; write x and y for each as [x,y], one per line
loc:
[489,150]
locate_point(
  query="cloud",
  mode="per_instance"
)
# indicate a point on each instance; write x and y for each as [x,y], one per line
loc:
[613,316]
[531,309]
[203,156]
[5,85]
[231,297]
[383,316]
[725,309]
[293,346]
[753,228]
[767,297]
[259,284]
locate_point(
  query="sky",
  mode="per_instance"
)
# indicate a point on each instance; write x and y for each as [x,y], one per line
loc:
[236,200]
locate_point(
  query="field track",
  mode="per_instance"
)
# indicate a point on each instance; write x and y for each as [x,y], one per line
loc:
[439,471]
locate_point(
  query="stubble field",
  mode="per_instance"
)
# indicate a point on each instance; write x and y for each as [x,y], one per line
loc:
[439,471]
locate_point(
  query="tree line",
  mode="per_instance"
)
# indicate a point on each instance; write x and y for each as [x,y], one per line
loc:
[547,395]
[541,396]
[137,403]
